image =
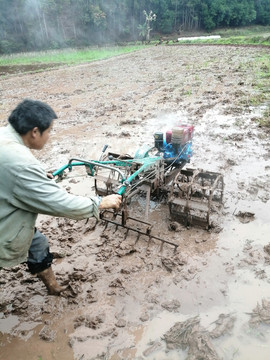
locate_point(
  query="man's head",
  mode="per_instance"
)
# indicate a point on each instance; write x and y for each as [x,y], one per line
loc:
[33,120]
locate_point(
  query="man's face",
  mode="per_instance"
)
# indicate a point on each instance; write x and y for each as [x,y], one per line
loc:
[39,140]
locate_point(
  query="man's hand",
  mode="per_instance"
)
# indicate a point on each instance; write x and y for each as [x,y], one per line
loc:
[111,202]
[49,175]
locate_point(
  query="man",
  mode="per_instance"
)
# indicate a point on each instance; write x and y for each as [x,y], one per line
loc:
[26,191]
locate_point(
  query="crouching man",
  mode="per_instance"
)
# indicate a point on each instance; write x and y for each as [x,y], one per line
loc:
[26,191]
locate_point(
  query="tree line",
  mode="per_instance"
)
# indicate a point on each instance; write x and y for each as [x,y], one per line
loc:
[42,24]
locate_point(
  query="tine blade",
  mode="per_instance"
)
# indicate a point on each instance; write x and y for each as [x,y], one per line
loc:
[137,239]
[126,234]
[146,232]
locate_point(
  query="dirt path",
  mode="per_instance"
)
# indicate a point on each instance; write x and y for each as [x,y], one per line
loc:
[210,300]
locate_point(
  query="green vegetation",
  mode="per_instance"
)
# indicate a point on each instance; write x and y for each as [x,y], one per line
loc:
[252,35]
[259,69]
[243,31]
[66,56]
[257,100]
[30,25]
[188,92]
[264,71]
[72,56]
[263,75]
[262,98]
[234,40]
[264,121]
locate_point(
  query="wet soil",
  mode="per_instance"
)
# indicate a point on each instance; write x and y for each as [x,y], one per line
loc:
[27,68]
[130,300]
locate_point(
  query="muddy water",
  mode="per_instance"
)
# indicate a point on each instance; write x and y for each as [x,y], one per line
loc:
[125,299]
[225,285]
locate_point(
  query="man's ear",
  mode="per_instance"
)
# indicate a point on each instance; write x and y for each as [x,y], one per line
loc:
[35,132]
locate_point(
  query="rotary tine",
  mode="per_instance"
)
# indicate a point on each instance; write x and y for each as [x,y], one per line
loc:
[147,232]
[137,239]
[126,234]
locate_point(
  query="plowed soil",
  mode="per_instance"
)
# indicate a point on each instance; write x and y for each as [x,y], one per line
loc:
[131,300]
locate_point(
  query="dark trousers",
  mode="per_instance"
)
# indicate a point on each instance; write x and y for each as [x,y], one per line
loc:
[39,256]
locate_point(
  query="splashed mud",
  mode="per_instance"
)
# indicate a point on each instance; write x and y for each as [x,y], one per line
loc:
[128,300]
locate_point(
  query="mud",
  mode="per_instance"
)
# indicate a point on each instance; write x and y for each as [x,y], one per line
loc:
[130,300]
[27,68]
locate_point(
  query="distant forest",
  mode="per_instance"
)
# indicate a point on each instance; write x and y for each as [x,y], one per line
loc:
[27,25]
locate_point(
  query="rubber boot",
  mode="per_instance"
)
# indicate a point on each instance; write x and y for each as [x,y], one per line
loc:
[47,276]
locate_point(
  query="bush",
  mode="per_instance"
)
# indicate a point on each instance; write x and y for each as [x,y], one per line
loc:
[8,47]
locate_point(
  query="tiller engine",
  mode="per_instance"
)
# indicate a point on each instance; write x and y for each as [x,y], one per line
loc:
[155,172]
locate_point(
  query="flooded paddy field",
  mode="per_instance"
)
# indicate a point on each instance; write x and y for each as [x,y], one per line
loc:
[210,299]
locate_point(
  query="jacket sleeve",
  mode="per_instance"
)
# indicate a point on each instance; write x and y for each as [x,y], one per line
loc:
[34,192]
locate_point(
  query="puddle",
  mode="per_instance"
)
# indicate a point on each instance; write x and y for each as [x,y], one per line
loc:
[8,323]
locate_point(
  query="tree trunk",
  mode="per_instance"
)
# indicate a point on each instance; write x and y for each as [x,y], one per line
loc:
[45,27]
[40,23]
[63,28]
[74,30]
[175,16]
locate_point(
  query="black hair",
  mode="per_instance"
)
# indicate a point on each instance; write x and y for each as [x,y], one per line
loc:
[30,114]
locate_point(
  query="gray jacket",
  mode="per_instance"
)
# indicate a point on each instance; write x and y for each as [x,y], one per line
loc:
[25,191]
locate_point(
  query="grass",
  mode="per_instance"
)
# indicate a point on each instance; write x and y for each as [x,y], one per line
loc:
[233,40]
[264,121]
[243,31]
[260,68]
[259,35]
[264,71]
[263,86]
[253,35]
[257,100]
[66,56]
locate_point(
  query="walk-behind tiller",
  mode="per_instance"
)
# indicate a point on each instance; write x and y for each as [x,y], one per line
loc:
[156,172]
